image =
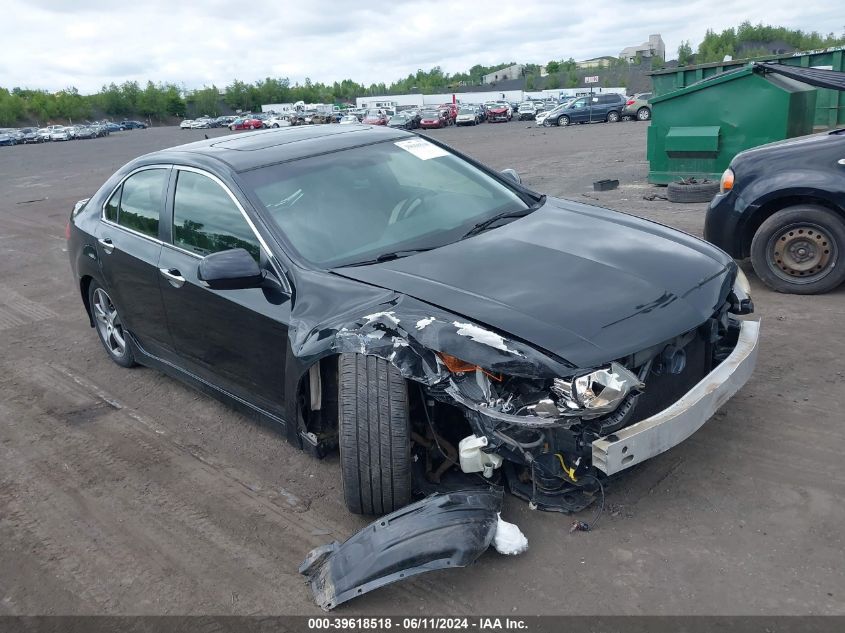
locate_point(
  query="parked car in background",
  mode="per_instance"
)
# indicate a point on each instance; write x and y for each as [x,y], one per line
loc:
[202,123]
[61,134]
[452,109]
[375,117]
[348,119]
[321,118]
[468,115]
[44,134]
[637,107]
[783,205]
[7,138]
[400,121]
[186,124]
[527,111]
[276,121]
[430,119]
[114,127]
[83,132]
[598,108]
[498,112]
[246,123]
[133,125]
[30,135]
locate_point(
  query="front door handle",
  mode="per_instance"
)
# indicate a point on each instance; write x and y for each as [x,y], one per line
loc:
[173,276]
[107,245]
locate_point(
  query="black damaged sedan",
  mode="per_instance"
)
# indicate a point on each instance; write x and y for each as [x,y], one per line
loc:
[371,291]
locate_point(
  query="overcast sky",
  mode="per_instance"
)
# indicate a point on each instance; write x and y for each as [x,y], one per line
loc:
[53,44]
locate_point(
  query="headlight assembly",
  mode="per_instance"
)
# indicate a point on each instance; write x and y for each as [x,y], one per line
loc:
[598,393]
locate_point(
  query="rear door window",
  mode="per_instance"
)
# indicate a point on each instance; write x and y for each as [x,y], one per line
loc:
[137,203]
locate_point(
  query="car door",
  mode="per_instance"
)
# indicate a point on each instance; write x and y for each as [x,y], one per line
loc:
[128,249]
[579,111]
[234,339]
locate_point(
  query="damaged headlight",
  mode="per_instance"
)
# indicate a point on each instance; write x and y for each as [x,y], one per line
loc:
[741,294]
[597,393]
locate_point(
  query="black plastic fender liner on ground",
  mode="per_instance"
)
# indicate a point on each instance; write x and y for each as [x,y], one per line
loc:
[441,531]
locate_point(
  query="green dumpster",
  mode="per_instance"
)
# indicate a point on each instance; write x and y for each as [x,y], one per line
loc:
[697,130]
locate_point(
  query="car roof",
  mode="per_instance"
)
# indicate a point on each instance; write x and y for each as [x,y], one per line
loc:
[267,147]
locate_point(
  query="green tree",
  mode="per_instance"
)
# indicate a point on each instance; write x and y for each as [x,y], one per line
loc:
[529,82]
[684,53]
[553,67]
[552,81]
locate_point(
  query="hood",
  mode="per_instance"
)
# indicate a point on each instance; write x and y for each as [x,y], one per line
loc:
[786,145]
[585,283]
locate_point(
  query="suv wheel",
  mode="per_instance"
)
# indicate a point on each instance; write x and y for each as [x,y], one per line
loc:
[375,435]
[563,120]
[612,117]
[797,250]
[110,326]
[644,114]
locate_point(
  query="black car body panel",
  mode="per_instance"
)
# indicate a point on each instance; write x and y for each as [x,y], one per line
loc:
[440,532]
[551,295]
[769,177]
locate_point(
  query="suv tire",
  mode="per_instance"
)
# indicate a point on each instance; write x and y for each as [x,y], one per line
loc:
[693,192]
[644,114]
[375,435]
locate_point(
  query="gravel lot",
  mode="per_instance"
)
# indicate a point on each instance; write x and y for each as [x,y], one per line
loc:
[123,492]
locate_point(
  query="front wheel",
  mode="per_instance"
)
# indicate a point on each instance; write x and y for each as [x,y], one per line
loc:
[375,435]
[797,250]
[564,120]
[109,326]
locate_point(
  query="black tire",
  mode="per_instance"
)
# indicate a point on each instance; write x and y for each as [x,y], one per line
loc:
[563,120]
[817,227]
[644,114]
[695,192]
[613,116]
[375,435]
[125,359]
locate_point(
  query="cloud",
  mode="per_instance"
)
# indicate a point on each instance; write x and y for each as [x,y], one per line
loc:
[88,43]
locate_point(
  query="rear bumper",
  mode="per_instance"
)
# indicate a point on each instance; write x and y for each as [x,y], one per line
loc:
[657,434]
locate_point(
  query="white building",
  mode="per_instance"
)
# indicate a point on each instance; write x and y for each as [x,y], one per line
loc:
[511,72]
[653,48]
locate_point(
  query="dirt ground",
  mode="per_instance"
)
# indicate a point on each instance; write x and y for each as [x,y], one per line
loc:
[125,492]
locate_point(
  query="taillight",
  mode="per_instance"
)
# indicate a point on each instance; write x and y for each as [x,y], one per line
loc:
[630,102]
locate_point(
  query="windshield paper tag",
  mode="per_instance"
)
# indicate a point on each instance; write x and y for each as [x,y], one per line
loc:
[422,149]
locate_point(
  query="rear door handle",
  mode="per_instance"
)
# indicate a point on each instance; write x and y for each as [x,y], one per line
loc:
[107,245]
[173,276]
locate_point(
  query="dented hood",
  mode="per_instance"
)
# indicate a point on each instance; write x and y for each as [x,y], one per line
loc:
[585,283]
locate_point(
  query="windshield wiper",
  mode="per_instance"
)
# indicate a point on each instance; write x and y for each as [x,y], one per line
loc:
[386,257]
[484,224]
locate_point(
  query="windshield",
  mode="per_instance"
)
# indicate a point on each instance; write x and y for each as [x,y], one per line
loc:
[466,111]
[386,197]
[429,114]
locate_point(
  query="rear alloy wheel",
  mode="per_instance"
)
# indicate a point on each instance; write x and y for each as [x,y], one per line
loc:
[564,120]
[612,117]
[644,113]
[375,435]
[797,250]
[110,326]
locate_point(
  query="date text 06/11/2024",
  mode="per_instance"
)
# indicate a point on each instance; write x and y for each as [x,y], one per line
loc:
[417,624]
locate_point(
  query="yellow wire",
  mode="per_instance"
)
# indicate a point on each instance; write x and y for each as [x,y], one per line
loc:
[568,471]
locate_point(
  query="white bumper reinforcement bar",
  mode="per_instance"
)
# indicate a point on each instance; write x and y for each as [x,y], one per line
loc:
[652,436]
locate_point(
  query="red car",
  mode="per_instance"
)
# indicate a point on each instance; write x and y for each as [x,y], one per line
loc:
[497,112]
[246,123]
[375,117]
[434,119]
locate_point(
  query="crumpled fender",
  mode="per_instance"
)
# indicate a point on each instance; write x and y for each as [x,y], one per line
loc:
[441,531]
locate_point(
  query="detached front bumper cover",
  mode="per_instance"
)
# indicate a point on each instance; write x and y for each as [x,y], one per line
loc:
[441,531]
[657,434]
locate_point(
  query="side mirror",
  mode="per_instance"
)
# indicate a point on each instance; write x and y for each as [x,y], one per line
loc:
[510,173]
[230,270]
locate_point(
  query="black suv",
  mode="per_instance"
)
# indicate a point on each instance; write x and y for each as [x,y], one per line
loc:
[588,109]
[133,125]
[783,205]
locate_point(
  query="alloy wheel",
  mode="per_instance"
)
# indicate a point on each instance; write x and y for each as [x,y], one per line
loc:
[108,323]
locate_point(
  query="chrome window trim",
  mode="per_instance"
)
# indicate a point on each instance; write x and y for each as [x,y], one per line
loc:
[270,256]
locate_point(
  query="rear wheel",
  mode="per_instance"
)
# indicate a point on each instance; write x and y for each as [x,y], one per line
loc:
[109,326]
[375,435]
[564,120]
[798,250]
[612,117]
[644,114]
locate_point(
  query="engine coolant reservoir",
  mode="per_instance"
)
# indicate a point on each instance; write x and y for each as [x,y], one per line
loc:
[474,460]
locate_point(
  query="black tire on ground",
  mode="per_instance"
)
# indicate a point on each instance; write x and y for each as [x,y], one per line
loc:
[127,357]
[644,113]
[375,435]
[817,230]
[563,120]
[695,192]
[612,116]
